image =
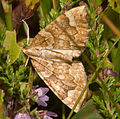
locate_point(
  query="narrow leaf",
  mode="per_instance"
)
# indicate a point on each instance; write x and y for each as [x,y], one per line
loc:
[89,111]
[117,59]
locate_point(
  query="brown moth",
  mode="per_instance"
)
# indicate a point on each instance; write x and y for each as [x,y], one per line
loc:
[52,51]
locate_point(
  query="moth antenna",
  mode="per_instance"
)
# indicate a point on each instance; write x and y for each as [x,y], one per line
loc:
[26,27]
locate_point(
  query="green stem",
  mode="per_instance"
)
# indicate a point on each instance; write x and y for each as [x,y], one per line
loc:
[8,14]
[30,80]
[90,81]
[42,12]
[8,19]
[88,61]
[63,111]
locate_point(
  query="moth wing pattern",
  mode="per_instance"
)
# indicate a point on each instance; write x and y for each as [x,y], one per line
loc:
[65,80]
[52,51]
[68,32]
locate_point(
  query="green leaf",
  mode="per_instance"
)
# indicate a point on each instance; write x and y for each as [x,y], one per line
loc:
[115,4]
[89,111]
[114,17]
[54,14]
[107,63]
[97,2]
[62,3]
[115,54]
[24,88]
[11,46]
[117,59]
[2,20]
[44,12]
[31,3]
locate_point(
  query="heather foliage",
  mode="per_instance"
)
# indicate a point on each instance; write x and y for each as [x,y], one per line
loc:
[22,93]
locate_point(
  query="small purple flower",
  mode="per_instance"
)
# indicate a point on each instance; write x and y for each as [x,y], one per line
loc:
[41,97]
[10,105]
[6,114]
[66,5]
[47,114]
[108,72]
[22,116]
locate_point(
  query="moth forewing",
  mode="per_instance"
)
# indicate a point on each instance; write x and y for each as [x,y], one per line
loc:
[53,46]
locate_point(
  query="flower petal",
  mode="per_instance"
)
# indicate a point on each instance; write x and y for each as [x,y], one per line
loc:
[47,117]
[42,91]
[42,103]
[22,116]
[49,113]
[44,98]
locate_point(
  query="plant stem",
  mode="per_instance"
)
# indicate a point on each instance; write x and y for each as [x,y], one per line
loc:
[8,19]
[30,80]
[88,61]
[90,81]
[54,5]
[8,14]
[63,111]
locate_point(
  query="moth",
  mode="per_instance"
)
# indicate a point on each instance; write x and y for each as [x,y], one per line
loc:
[52,52]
